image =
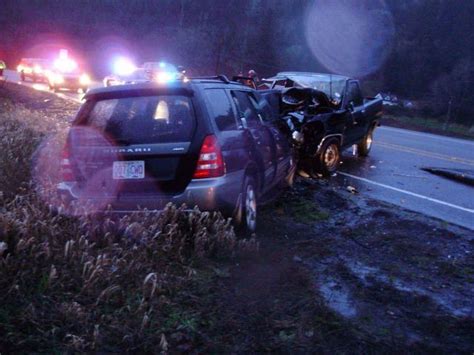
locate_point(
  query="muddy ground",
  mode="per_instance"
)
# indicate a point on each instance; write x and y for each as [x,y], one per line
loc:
[337,272]
[400,279]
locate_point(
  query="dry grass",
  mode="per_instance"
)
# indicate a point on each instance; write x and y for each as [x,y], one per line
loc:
[95,283]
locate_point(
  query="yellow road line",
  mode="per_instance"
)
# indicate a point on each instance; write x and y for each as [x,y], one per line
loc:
[426,153]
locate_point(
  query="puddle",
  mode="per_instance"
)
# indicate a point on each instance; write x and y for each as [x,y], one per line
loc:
[337,298]
[445,300]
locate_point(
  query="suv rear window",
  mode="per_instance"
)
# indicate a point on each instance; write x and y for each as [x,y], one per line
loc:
[144,119]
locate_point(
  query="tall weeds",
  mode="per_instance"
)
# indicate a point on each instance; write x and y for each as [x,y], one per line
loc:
[94,283]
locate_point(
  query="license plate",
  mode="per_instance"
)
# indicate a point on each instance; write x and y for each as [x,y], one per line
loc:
[129,169]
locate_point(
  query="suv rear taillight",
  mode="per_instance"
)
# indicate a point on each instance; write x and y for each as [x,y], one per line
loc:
[210,163]
[65,166]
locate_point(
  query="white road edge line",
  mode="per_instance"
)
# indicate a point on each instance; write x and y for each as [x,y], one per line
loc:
[408,193]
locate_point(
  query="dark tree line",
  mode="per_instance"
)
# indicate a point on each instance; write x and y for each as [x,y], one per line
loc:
[431,58]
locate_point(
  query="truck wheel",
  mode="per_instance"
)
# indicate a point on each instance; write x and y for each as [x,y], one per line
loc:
[364,146]
[248,206]
[327,161]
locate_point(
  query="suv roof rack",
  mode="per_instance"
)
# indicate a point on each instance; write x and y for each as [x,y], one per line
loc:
[215,77]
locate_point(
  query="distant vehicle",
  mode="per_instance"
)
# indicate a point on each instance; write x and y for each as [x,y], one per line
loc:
[3,66]
[74,80]
[66,74]
[137,76]
[323,114]
[162,72]
[206,142]
[34,68]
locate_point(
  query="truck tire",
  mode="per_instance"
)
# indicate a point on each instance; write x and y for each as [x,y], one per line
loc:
[328,158]
[248,206]
[364,146]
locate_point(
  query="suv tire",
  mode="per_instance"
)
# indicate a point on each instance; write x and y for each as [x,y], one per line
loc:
[248,220]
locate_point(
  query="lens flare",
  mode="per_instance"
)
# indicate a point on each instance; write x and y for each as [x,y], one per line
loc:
[350,37]
[95,188]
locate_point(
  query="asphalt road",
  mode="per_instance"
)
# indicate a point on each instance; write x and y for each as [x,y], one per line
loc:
[392,172]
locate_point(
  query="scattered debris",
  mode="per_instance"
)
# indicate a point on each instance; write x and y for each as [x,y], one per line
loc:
[352,189]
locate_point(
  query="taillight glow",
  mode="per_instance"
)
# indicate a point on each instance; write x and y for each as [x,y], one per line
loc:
[210,163]
[65,166]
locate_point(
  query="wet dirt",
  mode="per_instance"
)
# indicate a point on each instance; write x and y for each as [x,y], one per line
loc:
[397,277]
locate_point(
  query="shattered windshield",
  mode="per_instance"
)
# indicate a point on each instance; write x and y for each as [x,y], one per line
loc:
[332,87]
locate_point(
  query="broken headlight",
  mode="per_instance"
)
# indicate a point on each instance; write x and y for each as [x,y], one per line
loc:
[298,137]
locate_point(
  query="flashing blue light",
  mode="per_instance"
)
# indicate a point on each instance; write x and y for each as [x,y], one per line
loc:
[165,77]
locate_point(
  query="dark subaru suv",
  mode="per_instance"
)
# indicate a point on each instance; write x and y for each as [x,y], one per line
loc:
[207,142]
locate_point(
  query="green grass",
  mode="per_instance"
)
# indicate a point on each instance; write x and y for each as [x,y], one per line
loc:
[432,124]
[302,210]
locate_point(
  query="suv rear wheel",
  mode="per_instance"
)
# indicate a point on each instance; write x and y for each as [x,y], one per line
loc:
[248,206]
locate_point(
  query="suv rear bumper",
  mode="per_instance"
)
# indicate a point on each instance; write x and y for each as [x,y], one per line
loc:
[222,193]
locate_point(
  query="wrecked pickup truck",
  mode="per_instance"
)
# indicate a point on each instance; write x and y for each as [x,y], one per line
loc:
[322,114]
